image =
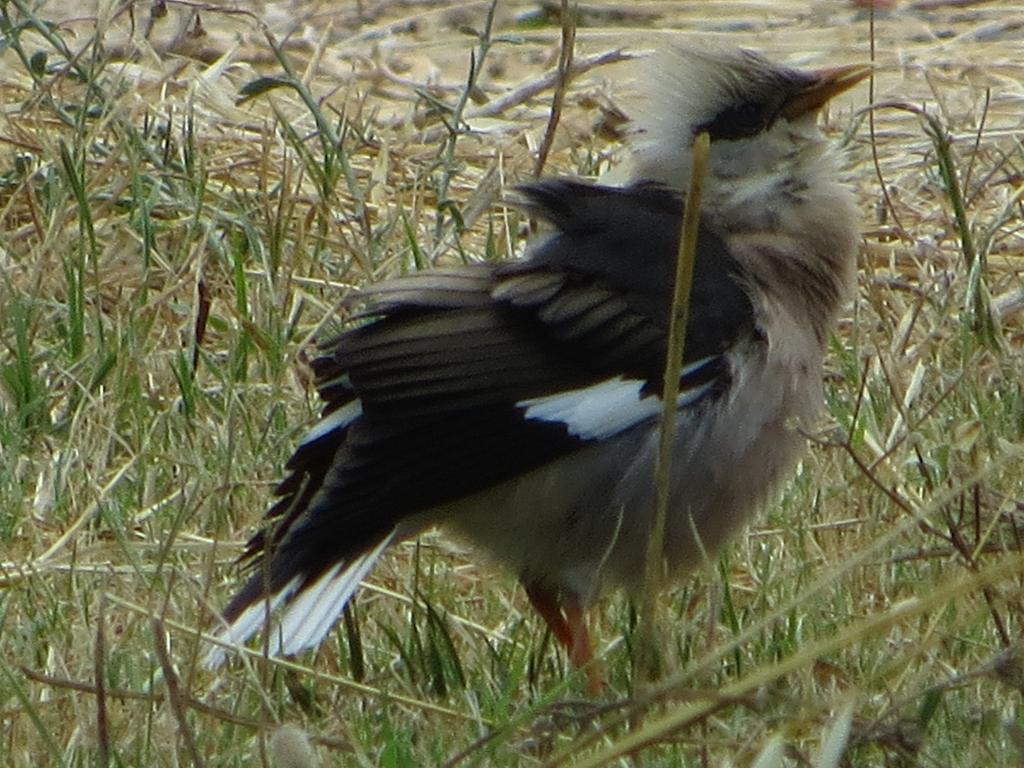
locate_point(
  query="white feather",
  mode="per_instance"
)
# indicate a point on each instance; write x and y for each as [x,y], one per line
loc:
[605,409]
[338,419]
[249,621]
[308,618]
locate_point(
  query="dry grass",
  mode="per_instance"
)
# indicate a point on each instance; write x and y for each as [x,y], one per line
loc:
[168,251]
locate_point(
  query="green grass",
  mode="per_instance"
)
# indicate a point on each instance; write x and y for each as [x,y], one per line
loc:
[166,258]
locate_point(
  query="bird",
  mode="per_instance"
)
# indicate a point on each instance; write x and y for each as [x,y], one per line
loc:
[515,404]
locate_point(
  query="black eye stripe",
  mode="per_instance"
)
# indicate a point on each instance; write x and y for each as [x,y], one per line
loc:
[740,122]
[750,114]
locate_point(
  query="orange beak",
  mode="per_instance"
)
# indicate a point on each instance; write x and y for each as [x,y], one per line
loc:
[828,84]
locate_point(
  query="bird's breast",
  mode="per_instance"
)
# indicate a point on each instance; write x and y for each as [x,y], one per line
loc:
[582,522]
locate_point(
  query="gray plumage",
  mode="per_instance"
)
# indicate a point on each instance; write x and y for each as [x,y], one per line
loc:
[516,404]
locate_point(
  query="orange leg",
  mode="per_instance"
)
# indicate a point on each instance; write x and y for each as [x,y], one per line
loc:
[566,620]
[546,603]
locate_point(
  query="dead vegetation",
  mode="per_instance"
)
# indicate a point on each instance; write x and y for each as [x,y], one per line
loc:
[186,193]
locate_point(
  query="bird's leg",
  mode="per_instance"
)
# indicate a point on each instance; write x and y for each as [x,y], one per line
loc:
[546,603]
[565,617]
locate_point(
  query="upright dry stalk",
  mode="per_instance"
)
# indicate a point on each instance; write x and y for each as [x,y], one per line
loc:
[647,660]
[565,57]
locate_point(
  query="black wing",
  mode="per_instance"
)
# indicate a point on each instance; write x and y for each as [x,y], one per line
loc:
[429,401]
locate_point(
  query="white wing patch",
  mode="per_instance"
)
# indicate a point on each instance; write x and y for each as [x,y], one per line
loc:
[605,409]
[307,618]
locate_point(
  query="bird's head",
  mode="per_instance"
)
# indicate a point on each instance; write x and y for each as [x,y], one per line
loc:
[761,118]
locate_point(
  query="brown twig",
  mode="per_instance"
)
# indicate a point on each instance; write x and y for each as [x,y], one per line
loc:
[174,694]
[565,57]
[125,694]
[529,90]
[99,666]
